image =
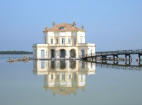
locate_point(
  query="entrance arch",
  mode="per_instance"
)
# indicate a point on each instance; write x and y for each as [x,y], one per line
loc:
[72,53]
[62,53]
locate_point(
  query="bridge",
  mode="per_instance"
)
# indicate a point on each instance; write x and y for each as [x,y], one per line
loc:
[114,56]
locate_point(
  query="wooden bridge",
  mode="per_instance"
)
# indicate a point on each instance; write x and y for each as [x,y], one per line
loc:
[114,56]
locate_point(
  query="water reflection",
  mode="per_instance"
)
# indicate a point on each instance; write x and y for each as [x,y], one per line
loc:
[64,77]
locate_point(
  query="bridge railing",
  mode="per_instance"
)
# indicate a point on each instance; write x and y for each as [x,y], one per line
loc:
[110,53]
[139,51]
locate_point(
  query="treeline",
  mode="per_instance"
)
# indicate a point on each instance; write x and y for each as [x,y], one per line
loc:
[16,52]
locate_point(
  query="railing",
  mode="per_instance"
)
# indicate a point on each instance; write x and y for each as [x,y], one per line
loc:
[111,53]
[119,52]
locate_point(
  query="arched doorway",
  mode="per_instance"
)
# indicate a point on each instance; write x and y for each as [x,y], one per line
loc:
[72,53]
[62,53]
[52,53]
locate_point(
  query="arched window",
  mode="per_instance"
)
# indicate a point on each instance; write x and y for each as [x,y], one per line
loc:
[72,53]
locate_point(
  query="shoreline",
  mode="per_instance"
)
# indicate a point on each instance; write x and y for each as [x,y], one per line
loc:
[15,52]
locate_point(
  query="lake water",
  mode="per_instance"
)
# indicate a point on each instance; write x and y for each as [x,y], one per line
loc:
[68,83]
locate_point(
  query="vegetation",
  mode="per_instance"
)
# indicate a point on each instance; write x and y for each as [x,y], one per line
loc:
[16,52]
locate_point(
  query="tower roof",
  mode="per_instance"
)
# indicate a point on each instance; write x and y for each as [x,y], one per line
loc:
[64,27]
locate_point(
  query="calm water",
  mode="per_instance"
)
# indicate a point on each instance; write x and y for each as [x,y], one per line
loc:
[67,83]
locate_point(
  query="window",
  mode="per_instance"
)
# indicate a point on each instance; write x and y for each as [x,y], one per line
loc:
[83,65]
[56,41]
[69,76]
[69,41]
[51,76]
[63,76]
[91,52]
[42,64]
[63,40]
[74,41]
[80,40]
[51,41]
[61,28]
[42,54]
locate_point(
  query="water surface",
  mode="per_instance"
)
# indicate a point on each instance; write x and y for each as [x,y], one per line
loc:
[67,83]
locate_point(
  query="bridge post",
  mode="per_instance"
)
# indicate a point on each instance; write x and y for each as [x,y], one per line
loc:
[139,59]
[95,58]
[91,56]
[126,59]
[115,59]
[104,58]
[129,59]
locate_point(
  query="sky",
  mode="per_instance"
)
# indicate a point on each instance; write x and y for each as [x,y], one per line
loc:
[110,24]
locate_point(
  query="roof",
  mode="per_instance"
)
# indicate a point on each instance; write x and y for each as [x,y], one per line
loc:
[63,27]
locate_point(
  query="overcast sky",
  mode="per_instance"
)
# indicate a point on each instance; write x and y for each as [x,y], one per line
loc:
[110,24]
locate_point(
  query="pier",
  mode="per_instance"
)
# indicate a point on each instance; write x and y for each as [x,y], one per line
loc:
[114,56]
[24,59]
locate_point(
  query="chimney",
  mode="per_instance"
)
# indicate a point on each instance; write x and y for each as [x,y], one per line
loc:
[53,24]
[82,27]
[45,29]
[74,23]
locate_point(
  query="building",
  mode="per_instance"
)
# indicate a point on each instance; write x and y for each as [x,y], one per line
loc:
[63,41]
[63,77]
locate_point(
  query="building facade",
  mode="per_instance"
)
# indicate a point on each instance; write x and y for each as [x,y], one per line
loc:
[63,41]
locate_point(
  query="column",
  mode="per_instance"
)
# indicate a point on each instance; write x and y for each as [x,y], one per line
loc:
[46,53]
[57,54]
[67,54]
[77,53]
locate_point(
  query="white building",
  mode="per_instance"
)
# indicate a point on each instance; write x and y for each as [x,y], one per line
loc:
[63,41]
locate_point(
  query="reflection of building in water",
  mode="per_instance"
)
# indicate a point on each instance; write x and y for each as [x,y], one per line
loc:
[64,77]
